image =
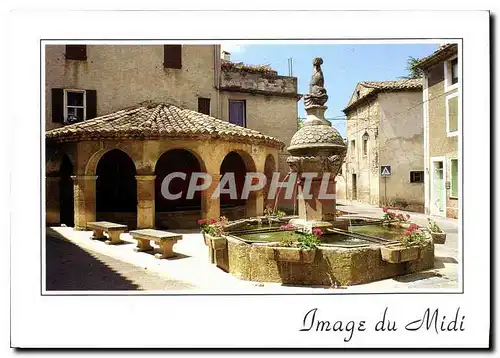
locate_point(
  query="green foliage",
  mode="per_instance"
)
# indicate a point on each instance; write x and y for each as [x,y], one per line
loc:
[308,241]
[411,68]
[433,226]
[413,236]
[300,123]
[287,241]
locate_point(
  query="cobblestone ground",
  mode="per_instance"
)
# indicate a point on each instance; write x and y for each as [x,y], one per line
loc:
[69,267]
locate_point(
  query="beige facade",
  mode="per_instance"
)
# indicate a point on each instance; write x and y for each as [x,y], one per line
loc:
[115,78]
[442,123]
[384,128]
[125,75]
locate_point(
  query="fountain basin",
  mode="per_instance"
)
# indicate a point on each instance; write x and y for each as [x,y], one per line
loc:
[342,258]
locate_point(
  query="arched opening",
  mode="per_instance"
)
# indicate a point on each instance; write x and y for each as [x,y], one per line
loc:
[116,189]
[269,169]
[183,211]
[239,165]
[66,195]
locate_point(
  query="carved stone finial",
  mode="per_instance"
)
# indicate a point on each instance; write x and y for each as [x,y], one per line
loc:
[317,96]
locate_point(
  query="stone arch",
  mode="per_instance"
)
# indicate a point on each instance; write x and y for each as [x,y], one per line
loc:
[116,188]
[182,211]
[194,153]
[93,161]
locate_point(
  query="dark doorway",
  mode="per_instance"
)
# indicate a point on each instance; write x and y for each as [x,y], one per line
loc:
[177,160]
[354,187]
[116,189]
[233,163]
[66,195]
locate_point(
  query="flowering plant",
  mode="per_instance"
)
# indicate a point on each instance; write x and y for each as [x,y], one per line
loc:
[390,216]
[306,241]
[212,226]
[433,226]
[413,236]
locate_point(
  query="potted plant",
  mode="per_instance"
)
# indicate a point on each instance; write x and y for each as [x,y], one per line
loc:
[438,236]
[391,218]
[409,249]
[212,228]
[301,251]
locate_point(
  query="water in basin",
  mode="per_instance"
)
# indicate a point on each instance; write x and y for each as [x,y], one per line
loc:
[384,232]
[279,235]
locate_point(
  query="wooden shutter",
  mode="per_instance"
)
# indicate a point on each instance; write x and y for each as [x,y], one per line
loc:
[172,56]
[237,113]
[91,103]
[204,105]
[76,52]
[57,105]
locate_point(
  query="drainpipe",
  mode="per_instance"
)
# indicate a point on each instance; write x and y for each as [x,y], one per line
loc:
[217,74]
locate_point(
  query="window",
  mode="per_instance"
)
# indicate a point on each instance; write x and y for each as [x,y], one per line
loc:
[357,94]
[172,56]
[365,145]
[353,148]
[76,52]
[452,114]
[454,71]
[451,74]
[416,176]
[73,105]
[204,105]
[454,178]
[237,113]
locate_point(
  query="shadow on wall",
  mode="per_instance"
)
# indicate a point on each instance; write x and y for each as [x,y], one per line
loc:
[68,267]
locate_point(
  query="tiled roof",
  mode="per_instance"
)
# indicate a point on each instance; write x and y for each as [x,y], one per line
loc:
[408,84]
[441,54]
[157,120]
[402,84]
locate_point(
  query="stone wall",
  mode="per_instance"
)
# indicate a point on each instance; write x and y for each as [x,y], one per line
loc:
[401,132]
[364,119]
[124,75]
[331,265]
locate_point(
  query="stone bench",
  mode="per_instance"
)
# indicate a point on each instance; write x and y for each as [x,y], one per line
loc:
[164,239]
[113,230]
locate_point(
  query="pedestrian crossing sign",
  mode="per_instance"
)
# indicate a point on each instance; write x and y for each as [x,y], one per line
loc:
[385,170]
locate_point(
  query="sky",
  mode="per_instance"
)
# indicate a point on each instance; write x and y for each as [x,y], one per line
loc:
[344,65]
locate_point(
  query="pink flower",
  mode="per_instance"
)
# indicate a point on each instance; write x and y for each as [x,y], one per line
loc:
[202,221]
[396,208]
[317,232]
[212,221]
[287,227]
[407,233]
[407,216]
[384,209]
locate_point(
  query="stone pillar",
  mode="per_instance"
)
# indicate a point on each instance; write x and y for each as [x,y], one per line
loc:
[145,201]
[255,203]
[85,199]
[52,200]
[210,208]
[316,208]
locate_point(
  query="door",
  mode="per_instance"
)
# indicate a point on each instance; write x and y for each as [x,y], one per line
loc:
[438,188]
[354,188]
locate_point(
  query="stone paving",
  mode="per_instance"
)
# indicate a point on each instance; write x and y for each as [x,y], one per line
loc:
[75,262]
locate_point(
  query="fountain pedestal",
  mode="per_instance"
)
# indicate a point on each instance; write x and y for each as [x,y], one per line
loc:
[316,148]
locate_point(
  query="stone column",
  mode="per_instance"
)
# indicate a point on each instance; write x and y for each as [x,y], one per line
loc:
[85,199]
[255,203]
[210,208]
[316,208]
[52,200]
[145,201]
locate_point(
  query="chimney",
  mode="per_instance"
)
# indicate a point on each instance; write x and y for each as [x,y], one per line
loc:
[226,56]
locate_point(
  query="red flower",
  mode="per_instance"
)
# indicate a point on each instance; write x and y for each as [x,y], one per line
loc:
[384,209]
[202,221]
[212,221]
[317,232]
[287,227]
[396,208]
[407,216]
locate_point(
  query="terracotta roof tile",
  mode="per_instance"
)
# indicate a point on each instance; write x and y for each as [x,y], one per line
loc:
[155,120]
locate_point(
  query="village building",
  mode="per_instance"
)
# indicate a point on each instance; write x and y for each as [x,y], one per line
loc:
[442,125]
[385,162]
[120,118]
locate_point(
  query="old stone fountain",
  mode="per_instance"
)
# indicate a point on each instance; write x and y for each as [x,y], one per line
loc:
[317,148]
[255,249]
